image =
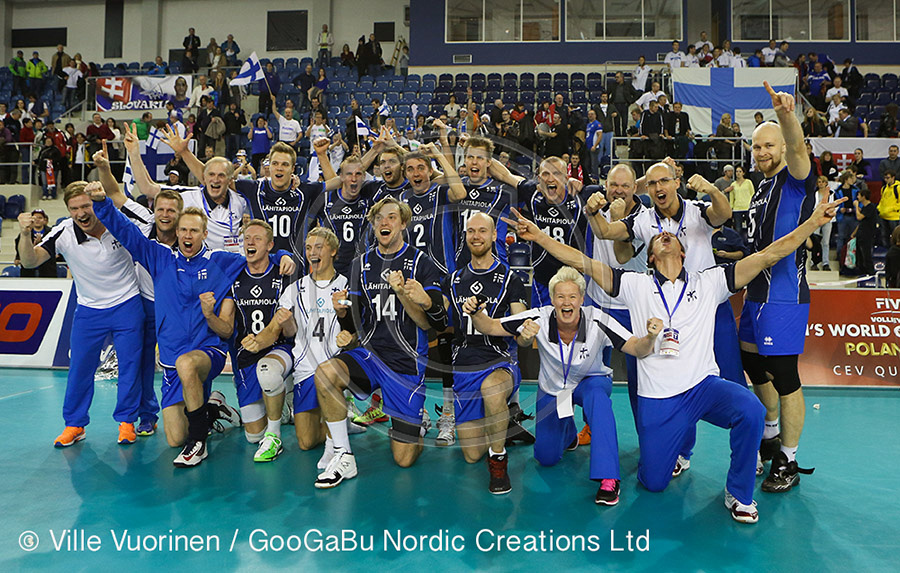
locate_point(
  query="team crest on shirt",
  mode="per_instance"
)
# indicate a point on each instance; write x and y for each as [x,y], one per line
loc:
[498,278]
[476,287]
[280,201]
[408,264]
[583,353]
[552,211]
[320,302]
[346,210]
[276,283]
[417,209]
[385,274]
[256,291]
[202,274]
[474,194]
[691,295]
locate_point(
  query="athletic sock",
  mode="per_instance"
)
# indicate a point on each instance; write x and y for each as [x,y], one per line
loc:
[329,443]
[339,435]
[448,401]
[791,453]
[514,399]
[771,429]
[274,427]
[198,423]
[492,453]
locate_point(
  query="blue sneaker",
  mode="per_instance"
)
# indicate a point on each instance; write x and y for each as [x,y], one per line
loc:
[146,428]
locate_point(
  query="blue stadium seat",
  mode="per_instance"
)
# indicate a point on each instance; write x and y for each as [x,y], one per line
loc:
[889,83]
[292,62]
[278,63]
[527,97]
[492,95]
[874,124]
[883,98]
[366,84]
[873,85]
[579,97]
[577,83]
[3,206]
[544,95]
[865,98]
[441,77]
[526,81]
[14,206]
[462,77]
[561,86]
[382,84]
[61,271]
[510,97]
[888,77]
[480,84]
[11,271]
[868,77]
[876,111]
[862,111]
[544,81]
[460,86]
[510,80]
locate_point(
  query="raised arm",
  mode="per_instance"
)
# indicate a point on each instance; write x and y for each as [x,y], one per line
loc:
[502,173]
[795,153]
[457,190]
[720,210]
[644,346]
[30,256]
[615,231]
[527,230]
[746,269]
[180,146]
[320,146]
[142,249]
[142,178]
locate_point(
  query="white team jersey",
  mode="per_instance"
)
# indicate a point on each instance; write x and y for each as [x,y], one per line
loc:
[224,224]
[690,224]
[583,356]
[317,323]
[661,376]
[603,251]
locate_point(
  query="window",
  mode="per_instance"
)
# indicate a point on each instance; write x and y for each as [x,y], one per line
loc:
[502,21]
[623,19]
[792,20]
[876,20]
[286,30]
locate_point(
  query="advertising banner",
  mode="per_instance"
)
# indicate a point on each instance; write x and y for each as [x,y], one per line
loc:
[35,321]
[142,92]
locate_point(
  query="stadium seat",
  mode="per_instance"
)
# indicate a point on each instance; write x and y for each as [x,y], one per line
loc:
[292,63]
[2,205]
[14,206]
[527,97]
[11,271]
[278,63]
[490,96]
[874,124]
[870,76]
[544,81]
[479,84]
[462,77]
[888,77]
[873,85]
[526,81]
[510,97]
[510,80]
[579,97]
[883,98]
[865,98]
[889,83]
[61,271]
[544,95]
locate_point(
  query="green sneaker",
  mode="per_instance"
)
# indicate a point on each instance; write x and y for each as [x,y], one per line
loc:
[372,415]
[269,448]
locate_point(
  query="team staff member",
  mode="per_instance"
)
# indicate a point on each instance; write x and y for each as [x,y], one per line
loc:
[109,303]
[190,351]
[679,384]
[567,328]
[776,309]
[393,339]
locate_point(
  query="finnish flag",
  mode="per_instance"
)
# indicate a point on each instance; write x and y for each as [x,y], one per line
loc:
[362,130]
[128,178]
[706,93]
[250,72]
[384,109]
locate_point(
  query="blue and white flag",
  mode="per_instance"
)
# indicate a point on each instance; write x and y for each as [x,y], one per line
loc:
[128,178]
[250,72]
[414,111]
[384,109]
[707,93]
[154,138]
[362,130]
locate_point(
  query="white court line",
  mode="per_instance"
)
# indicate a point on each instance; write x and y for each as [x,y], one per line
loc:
[846,282]
[25,392]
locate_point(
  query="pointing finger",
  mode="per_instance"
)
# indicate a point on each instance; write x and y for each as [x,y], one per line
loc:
[769,88]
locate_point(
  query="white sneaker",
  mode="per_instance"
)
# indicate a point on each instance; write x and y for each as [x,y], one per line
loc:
[269,448]
[681,465]
[342,466]
[287,411]
[327,455]
[760,468]
[224,411]
[446,426]
[739,511]
[192,454]
[426,421]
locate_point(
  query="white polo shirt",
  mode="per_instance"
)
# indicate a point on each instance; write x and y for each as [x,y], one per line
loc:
[603,251]
[690,224]
[661,376]
[582,357]
[288,130]
[224,224]
[102,268]
[769,54]
[674,59]
[317,323]
[644,100]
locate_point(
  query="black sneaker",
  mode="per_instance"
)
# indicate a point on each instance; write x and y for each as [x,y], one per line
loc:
[769,447]
[499,483]
[608,494]
[783,474]
[516,432]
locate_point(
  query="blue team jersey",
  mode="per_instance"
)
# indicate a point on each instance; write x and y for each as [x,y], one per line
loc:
[255,300]
[383,325]
[431,227]
[347,218]
[491,197]
[502,287]
[565,222]
[378,190]
[779,206]
[287,212]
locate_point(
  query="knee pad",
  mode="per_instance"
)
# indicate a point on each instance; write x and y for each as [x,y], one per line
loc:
[254,438]
[253,412]
[270,374]
[785,374]
[405,432]
[754,366]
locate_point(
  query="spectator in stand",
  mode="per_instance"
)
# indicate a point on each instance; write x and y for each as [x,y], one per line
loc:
[769,53]
[58,64]
[25,135]
[211,51]
[402,66]
[317,91]
[675,57]
[705,56]
[376,61]
[846,215]
[543,114]
[99,129]
[73,74]
[36,68]
[652,95]
[221,92]
[159,68]
[189,63]
[559,107]
[892,261]
[269,87]
[200,90]
[728,245]
[755,60]
[452,109]
[8,154]
[49,163]
[891,162]
[19,69]
[325,44]
[828,167]
[739,195]
[39,230]
[234,120]
[813,126]
[852,79]
[289,130]
[835,105]
[621,96]
[737,61]
[690,59]
[889,205]
[592,137]
[802,66]
[558,140]
[574,169]
[867,215]
[217,61]
[678,131]
[724,182]
[888,126]
[304,81]
[847,125]
[606,114]
[191,41]
[781,57]
[640,75]
[362,57]
[861,166]
[726,147]
[723,60]
[36,107]
[652,132]
[231,49]
[837,88]
[818,82]
[704,41]
[348,60]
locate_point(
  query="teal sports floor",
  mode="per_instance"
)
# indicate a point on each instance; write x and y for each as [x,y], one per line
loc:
[845,517]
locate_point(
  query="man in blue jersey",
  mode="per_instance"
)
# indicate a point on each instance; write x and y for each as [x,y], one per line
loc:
[484,368]
[190,351]
[776,307]
[393,340]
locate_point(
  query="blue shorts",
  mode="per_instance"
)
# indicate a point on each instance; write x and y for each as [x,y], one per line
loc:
[171,384]
[246,383]
[776,329]
[468,402]
[305,398]
[403,394]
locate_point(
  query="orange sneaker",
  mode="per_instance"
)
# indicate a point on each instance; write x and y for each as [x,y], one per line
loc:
[69,436]
[127,434]
[584,436]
